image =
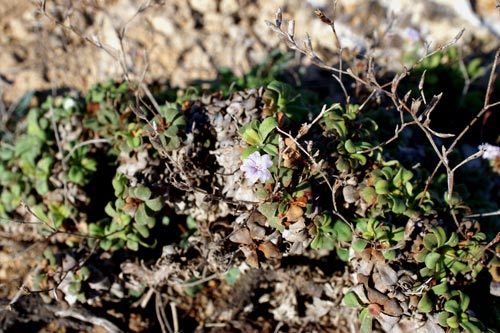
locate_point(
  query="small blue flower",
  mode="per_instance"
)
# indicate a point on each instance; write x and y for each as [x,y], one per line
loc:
[256,167]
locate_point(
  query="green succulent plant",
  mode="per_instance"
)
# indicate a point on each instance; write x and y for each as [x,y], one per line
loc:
[390,187]
[165,129]
[260,136]
[133,215]
[349,130]
[281,97]
[310,163]
[35,164]
[443,252]
[456,316]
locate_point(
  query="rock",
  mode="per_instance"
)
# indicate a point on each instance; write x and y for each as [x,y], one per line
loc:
[203,6]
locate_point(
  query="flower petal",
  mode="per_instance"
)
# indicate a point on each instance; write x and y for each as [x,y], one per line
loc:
[247,168]
[252,178]
[255,167]
[266,161]
[254,157]
[490,151]
[264,175]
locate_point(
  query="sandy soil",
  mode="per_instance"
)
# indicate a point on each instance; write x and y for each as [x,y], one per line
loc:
[77,43]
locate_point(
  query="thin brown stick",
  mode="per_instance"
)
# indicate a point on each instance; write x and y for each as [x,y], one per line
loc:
[486,107]
[160,314]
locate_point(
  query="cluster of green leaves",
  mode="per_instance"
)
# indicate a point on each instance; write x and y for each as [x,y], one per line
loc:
[106,116]
[272,68]
[165,129]
[260,136]
[456,315]
[33,164]
[133,211]
[112,115]
[341,145]
[133,216]
[77,285]
[50,159]
[331,234]
[26,164]
[281,97]
[447,258]
[348,133]
[385,235]
[443,251]
[389,192]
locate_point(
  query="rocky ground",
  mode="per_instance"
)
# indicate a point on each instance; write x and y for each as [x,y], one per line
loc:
[67,44]
[63,44]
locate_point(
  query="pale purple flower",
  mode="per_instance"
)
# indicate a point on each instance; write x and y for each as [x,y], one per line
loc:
[490,151]
[412,34]
[256,167]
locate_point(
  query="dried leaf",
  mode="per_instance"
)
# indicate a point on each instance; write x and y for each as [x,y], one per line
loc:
[294,213]
[392,308]
[130,206]
[278,17]
[495,288]
[273,26]
[441,135]
[375,296]
[384,277]
[269,250]
[495,269]
[241,236]
[365,267]
[409,228]
[388,323]
[291,155]
[361,293]
[296,232]
[302,201]
[363,279]
[281,118]
[374,310]
[319,308]
[325,19]
[256,231]
[350,194]
[251,256]
[290,143]
[291,29]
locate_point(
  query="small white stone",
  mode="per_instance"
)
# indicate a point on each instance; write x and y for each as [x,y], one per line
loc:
[204,6]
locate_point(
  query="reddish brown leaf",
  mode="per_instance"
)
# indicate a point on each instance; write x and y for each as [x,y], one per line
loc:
[251,256]
[392,308]
[294,213]
[374,310]
[269,250]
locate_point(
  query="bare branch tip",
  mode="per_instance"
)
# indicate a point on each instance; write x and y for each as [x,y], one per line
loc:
[279,17]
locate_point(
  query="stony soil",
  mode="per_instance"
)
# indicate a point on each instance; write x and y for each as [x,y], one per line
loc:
[183,40]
